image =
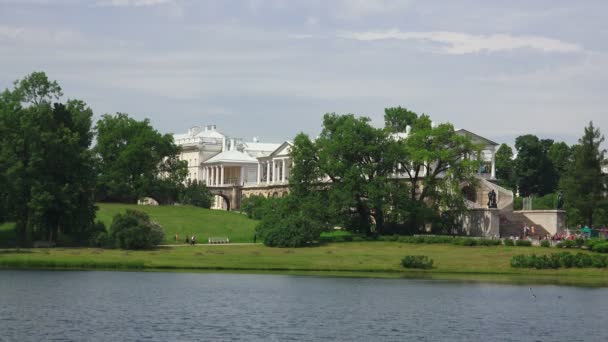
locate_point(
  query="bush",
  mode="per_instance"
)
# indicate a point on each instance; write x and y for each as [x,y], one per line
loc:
[489,242]
[195,193]
[566,244]
[417,261]
[557,260]
[292,222]
[134,230]
[579,242]
[600,247]
[509,242]
[545,243]
[523,243]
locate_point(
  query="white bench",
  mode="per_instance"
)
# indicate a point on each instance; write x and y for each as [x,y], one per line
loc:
[217,240]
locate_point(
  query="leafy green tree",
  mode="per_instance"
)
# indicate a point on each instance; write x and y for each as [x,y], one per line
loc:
[46,166]
[293,221]
[583,184]
[351,154]
[560,155]
[196,193]
[534,171]
[435,160]
[135,230]
[136,161]
[505,165]
[396,119]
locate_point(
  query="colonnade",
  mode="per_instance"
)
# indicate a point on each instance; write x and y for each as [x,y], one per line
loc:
[213,175]
[276,171]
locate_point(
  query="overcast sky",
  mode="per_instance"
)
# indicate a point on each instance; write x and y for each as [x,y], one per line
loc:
[273,68]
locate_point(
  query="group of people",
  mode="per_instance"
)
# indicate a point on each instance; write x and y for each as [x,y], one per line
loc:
[528,232]
[189,240]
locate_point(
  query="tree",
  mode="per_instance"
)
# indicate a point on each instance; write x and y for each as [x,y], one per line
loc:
[45,162]
[354,167]
[196,193]
[583,184]
[560,155]
[396,119]
[350,152]
[135,230]
[136,161]
[436,161]
[504,166]
[293,221]
[534,171]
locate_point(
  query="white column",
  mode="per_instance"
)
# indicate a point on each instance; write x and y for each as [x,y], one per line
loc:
[493,171]
[259,173]
[221,174]
[215,175]
[282,170]
[242,180]
[267,172]
[205,175]
[274,171]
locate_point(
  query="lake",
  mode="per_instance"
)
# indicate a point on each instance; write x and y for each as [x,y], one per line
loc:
[139,306]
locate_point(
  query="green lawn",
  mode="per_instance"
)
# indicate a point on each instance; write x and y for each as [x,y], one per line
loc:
[369,259]
[183,220]
[188,220]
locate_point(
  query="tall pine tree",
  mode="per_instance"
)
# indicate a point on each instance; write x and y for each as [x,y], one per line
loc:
[584,185]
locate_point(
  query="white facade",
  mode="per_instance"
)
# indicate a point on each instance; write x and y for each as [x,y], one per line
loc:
[222,161]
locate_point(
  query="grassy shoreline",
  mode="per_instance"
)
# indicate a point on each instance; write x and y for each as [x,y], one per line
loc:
[354,259]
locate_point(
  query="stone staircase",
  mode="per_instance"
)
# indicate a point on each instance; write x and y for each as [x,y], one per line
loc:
[511,223]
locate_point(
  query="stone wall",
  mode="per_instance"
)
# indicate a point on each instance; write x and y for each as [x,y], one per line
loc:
[482,223]
[266,191]
[553,221]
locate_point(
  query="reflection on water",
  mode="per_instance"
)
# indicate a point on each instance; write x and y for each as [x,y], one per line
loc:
[129,306]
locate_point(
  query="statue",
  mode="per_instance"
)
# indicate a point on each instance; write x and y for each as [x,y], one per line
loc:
[560,200]
[492,199]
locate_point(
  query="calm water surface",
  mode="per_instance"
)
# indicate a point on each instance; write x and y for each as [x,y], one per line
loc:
[126,306]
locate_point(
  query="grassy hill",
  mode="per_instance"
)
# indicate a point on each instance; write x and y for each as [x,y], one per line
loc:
[188,220]
[181,220]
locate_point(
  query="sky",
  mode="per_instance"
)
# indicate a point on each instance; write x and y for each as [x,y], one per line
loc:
[272,68]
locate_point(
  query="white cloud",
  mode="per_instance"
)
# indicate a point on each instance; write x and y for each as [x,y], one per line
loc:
[362,8]
[32,35]
[462,43]
[132,3]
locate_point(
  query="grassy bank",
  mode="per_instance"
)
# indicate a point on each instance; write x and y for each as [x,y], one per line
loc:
[181,220]
[188,220]
[366,259]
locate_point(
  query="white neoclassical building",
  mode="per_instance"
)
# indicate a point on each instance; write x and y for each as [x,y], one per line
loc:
[257,168]
[221,161]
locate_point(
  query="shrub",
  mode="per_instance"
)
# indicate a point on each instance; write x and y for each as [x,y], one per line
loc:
[579,242]
[545,243]
[488,242]
[417,261]
[195,193]
[134,230]
[292,222]
[566,244]
[509,242]
[600,247]
[590,243]
[557,260]
[523,243]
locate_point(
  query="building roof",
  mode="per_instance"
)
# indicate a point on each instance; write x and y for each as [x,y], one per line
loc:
[476,138]
[257,146]
[231,157]
[285,146]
